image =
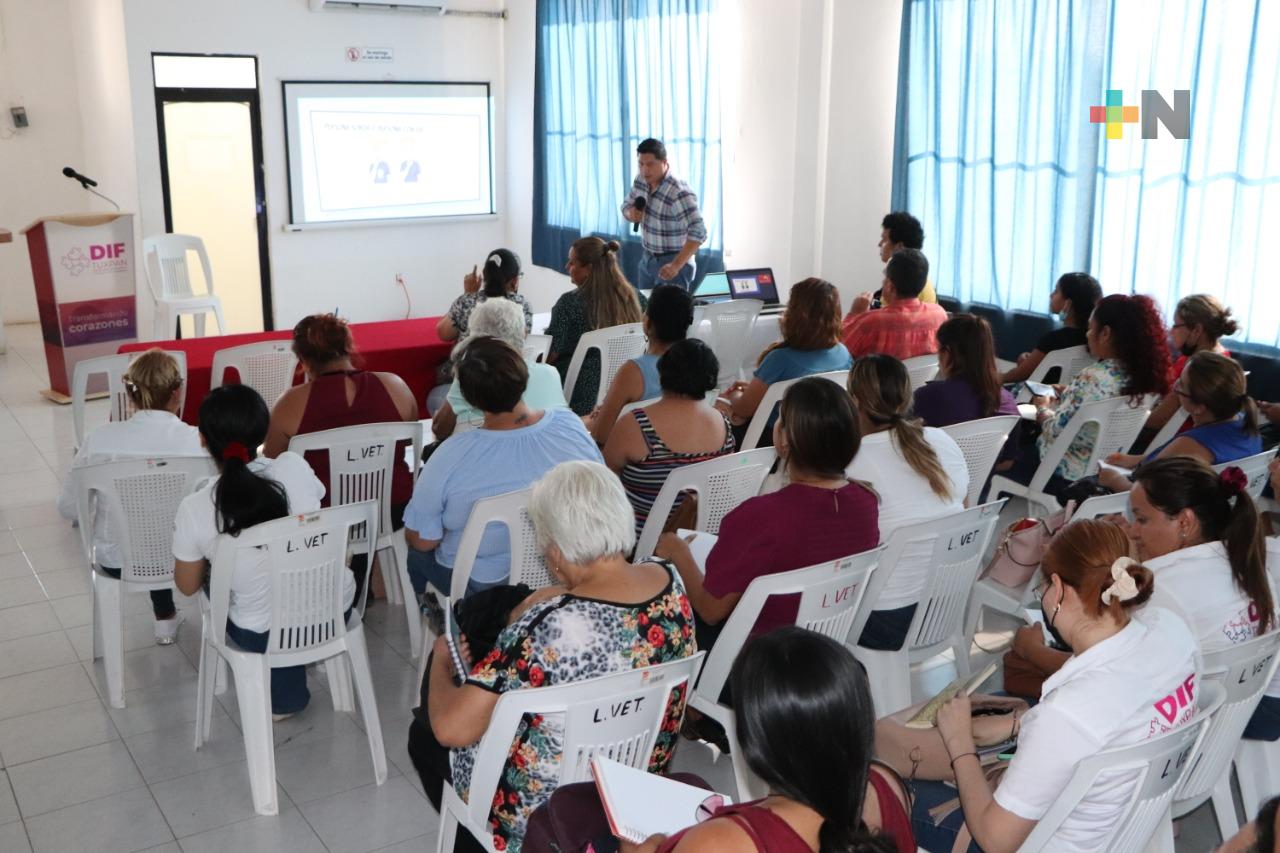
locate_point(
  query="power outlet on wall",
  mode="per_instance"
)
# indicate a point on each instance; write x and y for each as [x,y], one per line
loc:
[19,114]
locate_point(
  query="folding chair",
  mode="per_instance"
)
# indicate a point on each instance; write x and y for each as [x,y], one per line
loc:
[617,345]
[266,367]
[981,442]
[772,397]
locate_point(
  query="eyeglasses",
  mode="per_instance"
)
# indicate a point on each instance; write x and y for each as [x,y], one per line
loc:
[1179,326]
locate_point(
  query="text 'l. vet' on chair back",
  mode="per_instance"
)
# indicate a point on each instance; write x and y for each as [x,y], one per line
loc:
[362,462]
[721,484]
[307,559]
[956,545]
[615,716]
[830,594]
[111,369]
[616,345]
[139,498]
[1157,764]
[169,278]
[267,367]
[772,397]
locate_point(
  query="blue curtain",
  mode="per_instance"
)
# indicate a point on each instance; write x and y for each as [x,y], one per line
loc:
[996,154]
[610,73]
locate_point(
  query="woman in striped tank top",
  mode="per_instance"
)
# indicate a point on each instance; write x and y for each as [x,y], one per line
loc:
[680,429]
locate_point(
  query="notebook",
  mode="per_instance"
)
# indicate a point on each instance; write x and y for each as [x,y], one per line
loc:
[700,545]
[639,804]
[927,717]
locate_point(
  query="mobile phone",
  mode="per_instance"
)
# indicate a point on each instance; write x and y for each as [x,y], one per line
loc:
[453,639]
[1040,389]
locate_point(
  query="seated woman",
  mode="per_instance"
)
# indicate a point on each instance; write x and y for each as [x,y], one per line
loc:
[1074,297]
[499,319]
[607,615]
[919,473]
[1200,322]
[155,390]
[601,297]
[680,429]
[666,321]
[1225,420]
[248,490]
[810,344]
[820,515]
[499,279]
[1127,682]
[806,727]
[1127,336]
[515,446]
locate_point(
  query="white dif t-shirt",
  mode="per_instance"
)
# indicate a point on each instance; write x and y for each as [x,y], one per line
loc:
[1136,685]
[195,534]
[906,498]
[149,433]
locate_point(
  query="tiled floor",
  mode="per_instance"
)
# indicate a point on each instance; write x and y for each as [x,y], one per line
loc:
[77,775]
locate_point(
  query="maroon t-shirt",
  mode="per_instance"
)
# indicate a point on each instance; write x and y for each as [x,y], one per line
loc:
[793,528]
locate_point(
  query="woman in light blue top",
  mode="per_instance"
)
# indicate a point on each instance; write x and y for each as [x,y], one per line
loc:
[666,321]
[1212,391]
[501,319]
[810,344]
[515,447]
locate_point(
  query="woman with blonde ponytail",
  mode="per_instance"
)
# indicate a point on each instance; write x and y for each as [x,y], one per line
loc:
[919,473]
[602,297]
[155,389]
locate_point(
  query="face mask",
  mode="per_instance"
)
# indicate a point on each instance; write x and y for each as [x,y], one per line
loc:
[1188,349]
[1049,616]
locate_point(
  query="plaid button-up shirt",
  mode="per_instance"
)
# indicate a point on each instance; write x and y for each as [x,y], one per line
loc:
[671,215]
[905,329]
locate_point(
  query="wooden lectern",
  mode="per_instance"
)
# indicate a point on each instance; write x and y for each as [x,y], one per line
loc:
[84,270]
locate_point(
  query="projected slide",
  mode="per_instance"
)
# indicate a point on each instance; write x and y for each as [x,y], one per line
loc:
[373,151]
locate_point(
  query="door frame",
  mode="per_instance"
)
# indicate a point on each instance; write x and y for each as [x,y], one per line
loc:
[222,95]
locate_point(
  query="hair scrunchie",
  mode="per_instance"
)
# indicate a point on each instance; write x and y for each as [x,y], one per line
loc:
[1233,481]
[495,259]
[235,450]
[1123,586]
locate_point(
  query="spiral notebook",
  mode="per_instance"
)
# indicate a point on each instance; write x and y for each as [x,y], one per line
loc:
[639,804]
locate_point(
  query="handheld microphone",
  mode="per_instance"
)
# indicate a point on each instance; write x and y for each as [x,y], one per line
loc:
[639,205]
[74,175]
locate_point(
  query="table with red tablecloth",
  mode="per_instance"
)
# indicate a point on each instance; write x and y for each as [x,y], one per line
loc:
[410,349]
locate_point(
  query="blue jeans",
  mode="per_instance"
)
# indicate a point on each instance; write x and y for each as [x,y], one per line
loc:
[647,273]
[1265,722]
[424,569]
[289,692]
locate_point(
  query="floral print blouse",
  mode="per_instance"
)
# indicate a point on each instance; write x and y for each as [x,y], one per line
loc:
[460,310]
[565,639]
[1098,381]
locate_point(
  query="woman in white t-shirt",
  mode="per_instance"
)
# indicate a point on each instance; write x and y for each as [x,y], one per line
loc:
[249,490]
[1129,680]
[1199,532]
[919,473]
[154,386]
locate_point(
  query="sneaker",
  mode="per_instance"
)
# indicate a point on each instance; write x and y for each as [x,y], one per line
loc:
[433,612]
[275,718]
[167,630]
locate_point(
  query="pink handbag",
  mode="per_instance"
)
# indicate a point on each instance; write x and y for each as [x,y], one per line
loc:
[1022,548]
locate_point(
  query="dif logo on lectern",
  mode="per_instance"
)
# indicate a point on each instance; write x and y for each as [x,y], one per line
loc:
[101,258]
[1155,110]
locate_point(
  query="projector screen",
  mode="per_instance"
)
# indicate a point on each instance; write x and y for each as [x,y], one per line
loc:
[361,152]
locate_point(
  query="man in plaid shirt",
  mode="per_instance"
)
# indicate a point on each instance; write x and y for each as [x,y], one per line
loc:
[905,327]
[673,227]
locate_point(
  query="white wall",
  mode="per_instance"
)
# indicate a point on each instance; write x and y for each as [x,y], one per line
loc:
[37,70]
[353,268]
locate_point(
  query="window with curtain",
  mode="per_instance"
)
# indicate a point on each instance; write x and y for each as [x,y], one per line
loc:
[610,73]
[996,154]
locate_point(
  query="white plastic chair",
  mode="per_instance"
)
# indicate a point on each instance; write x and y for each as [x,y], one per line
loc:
[169,277]
[266,367]
[1100,505]
[1170,430]
[721,484]
[940,587]
[537,347]
[591,728]
[1118,424]
[362,462]
[638,404]
[511,510]
[830,596]
[616,345]
[1069,360]
[1159,765]
[113,368]
[140,498]
[307,559]
[1257,766]
[730,335]
[921,369]
[772,397]
[1255,468]
[1243,671]
[981,442]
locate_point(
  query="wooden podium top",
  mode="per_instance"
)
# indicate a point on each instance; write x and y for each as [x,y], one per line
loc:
[84,219]
[6,236]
